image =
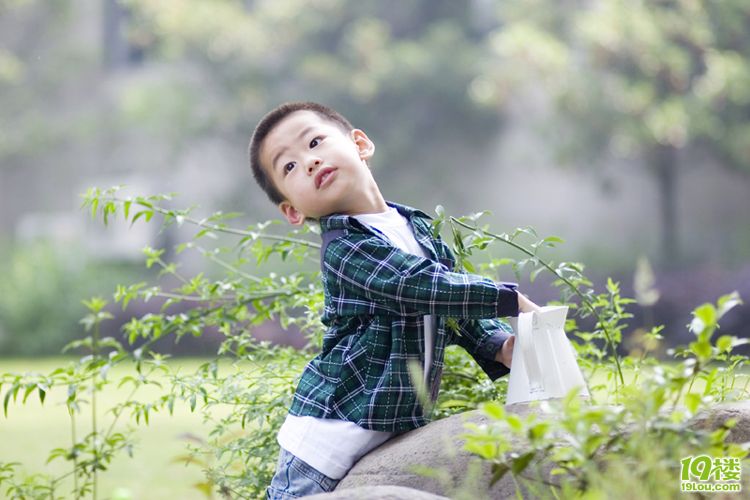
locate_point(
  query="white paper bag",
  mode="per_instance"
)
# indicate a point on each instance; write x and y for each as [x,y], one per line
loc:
[544,364]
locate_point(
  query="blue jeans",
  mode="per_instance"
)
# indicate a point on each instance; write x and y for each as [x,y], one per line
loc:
[294,478]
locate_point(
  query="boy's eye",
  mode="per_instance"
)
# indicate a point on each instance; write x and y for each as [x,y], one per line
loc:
[315,142]
[288,167]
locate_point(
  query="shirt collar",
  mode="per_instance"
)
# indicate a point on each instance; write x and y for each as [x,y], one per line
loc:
[407,211]
[340,221]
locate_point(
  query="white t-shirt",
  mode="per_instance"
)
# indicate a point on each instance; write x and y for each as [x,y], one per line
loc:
[334,446]
[396,229]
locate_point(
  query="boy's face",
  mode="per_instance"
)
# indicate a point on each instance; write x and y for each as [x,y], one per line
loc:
[318,168]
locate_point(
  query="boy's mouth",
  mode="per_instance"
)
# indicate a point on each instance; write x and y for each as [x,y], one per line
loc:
[323,175]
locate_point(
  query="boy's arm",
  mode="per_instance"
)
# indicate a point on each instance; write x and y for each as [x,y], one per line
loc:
[409,284]
[490,342]
[483,339]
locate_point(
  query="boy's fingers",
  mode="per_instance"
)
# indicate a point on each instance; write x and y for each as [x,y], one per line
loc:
[526,305]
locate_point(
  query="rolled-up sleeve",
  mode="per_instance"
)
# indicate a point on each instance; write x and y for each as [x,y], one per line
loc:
[482,339]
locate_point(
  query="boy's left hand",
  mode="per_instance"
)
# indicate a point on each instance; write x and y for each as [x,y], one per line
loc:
[525,305]
[505,354]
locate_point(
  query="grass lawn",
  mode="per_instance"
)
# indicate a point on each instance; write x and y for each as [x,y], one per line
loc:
[30,431]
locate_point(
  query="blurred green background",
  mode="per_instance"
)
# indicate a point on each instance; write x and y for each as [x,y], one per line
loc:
[621,126]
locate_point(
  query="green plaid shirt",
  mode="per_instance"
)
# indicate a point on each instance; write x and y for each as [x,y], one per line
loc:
[376,296]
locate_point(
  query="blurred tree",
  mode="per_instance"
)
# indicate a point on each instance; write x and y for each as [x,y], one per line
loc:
[119,49]
[35,68]
[45,69]
[400,70]
[634,78]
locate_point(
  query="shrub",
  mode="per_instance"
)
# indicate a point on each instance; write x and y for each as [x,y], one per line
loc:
[240,452]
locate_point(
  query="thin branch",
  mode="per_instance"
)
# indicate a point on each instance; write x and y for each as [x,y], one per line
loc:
[223,229]
[227,266]
[574,288]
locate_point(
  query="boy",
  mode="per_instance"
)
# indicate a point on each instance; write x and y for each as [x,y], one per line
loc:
[388,290]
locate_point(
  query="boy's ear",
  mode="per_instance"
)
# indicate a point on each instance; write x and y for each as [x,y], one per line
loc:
[294,216]
[364,145]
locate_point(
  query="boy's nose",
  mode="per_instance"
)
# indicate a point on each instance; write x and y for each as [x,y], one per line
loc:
[313,164]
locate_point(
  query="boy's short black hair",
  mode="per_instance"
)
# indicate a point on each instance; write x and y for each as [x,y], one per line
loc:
[268,122]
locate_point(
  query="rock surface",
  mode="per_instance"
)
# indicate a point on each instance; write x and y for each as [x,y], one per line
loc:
[438,446]
[717,415]
[390,472]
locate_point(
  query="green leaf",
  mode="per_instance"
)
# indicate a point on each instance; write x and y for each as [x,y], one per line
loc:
[56,453]
[538,430]
[724,343]
[520,463]
[127,379]
[29,389]
[477,215]
[484,450]
[502,262]
[204,487]
[72,391]
[468,265]
[147,214]
[727,302]
[593,443]
[514,422]
[498,471]
[6,400]
[692,401]
[710,378]
[494,410]
[454,403]
[551,241]
[701,348]
[704,317]
[535,273]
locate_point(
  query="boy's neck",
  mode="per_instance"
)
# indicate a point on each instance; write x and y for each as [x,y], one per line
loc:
[371,205]
[368,202]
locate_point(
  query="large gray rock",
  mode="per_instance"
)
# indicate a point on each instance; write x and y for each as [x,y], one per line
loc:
[459,474]
[439,446]
[377,493]
[716,416]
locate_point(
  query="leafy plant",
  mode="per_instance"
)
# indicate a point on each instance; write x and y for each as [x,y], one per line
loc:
[608,309]
[243,440]
[629,449]
[243,392]
[605,449]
